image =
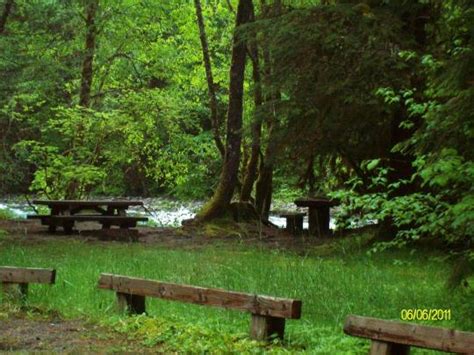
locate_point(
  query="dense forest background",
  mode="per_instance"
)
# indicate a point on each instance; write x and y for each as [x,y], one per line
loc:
[370,102]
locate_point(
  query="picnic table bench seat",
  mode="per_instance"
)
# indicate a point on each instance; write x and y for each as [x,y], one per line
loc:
[106,221]
[294,222]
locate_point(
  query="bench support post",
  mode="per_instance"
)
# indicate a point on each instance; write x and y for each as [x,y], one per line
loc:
[15,291]
[386,348]
[294,224]
[132,304]
[264,327]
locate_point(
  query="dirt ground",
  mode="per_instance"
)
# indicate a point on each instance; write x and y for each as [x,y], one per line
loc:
[188,237]
[19,333]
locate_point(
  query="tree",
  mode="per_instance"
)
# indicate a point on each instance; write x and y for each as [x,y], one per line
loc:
[223,194]
[87,64]
[250,174]
[215,120]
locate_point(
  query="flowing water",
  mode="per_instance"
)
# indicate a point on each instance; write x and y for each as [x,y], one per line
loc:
[161,211]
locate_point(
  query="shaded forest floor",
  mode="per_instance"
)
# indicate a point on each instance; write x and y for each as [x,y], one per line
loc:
[188,237]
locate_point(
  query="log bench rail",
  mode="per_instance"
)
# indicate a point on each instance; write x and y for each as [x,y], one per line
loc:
[268,313]
[15,280]
[395,338]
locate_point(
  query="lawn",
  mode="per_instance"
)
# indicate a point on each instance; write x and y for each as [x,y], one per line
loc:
[347,281]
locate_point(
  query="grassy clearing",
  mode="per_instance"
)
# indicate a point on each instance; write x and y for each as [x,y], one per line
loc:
[331,287]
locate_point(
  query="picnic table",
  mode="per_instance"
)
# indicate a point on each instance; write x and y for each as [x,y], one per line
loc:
[318,213]
[64,213]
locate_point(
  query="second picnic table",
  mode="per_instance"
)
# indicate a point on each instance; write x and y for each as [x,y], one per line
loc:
[318,214]
[65,213]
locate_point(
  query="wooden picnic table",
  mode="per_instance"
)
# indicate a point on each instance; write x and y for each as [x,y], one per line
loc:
[318,213]
[65,213]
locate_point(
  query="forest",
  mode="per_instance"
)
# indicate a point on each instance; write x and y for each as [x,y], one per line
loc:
[247,105]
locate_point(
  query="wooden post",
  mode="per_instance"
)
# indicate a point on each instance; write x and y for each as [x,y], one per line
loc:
[132,304]
[386,348]
[313,221]
[294,222]
[15,292]
[68,226]
[264,327]
[323,219]
[318,220]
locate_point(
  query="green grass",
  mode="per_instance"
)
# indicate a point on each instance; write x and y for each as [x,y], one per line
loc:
[349,282]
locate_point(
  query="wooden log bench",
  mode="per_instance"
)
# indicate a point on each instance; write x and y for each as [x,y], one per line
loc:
[294,222]
[268,314]
[395,338]
[67,222]
[15,280]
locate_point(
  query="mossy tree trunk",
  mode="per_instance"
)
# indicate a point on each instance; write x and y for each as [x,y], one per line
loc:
[220,201]
[87,63]
[264,184]
[6,12]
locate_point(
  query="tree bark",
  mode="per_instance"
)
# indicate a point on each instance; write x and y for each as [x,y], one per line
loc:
[251,169]
[87,64]
[215,121]
[220,201]
[264,186]
[6,12]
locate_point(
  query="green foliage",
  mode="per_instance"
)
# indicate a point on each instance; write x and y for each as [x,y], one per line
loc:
[7,215]
[147,129]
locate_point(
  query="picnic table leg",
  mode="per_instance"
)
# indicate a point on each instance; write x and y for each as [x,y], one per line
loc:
[313,223]
[318,220]
[67,226]
[290,224]
[294,224]
[323,218]
[298,227]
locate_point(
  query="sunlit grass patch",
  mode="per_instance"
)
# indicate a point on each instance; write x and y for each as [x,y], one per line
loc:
[348,281]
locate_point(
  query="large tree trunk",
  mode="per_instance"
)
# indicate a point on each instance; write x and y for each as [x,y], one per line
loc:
[215,121]
[264,185]
[251,169]
[6,12]
[87,64]
[220,201]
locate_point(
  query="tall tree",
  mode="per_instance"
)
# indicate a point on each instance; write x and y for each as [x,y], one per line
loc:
[252,165]
[264,184]
[215,121]
[6,12]
[87,64]
[220,201]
